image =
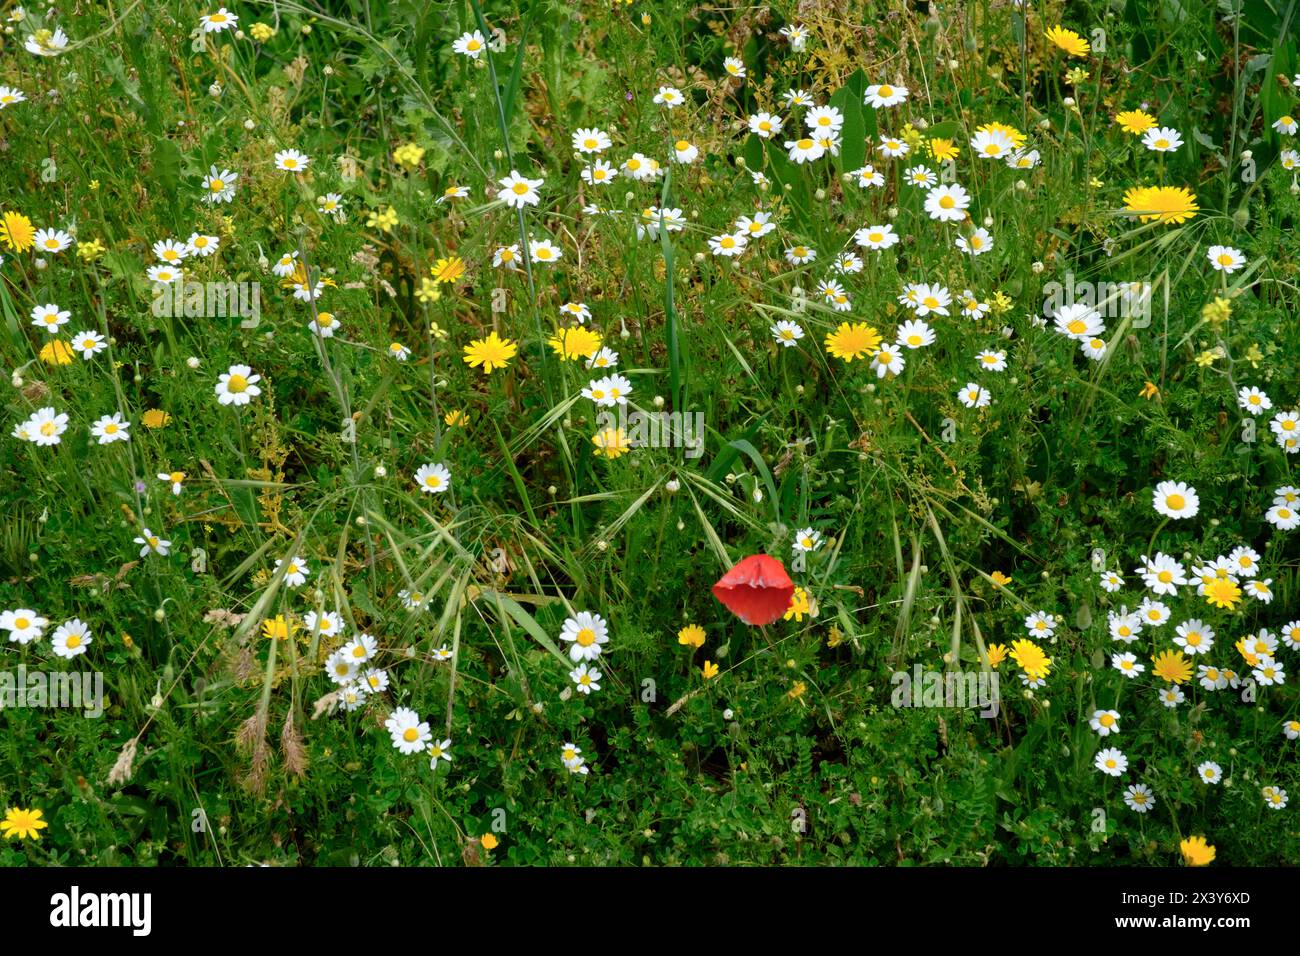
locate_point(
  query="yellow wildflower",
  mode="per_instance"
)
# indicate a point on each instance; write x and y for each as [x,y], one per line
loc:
[56,352]
[692,635]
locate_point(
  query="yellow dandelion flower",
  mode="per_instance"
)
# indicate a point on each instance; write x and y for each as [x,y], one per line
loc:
[692,635]
[1031,659]
[997,654]
[155,418]
[278,628]
[709,670]
[23,824]
[1135,122]
[491,353]
[456,418]
[1222,593]
[1069,41]
[447,270]
[942,149]
[1196,852]
[855,341]
[56,352]
[1172,667]
[16,232]
[1168,204]
[575,342]
[611,442]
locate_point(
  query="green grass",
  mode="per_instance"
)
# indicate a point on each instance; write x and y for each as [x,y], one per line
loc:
[794,752]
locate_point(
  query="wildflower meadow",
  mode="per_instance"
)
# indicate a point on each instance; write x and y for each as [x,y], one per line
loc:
[482,433]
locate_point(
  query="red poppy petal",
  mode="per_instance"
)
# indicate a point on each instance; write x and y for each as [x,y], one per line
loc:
[757,590]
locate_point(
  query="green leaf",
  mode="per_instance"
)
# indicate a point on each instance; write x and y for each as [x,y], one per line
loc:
[848,99]
[527,622]
[743,445]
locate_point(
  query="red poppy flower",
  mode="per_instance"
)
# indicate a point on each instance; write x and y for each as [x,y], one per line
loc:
[757,590]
